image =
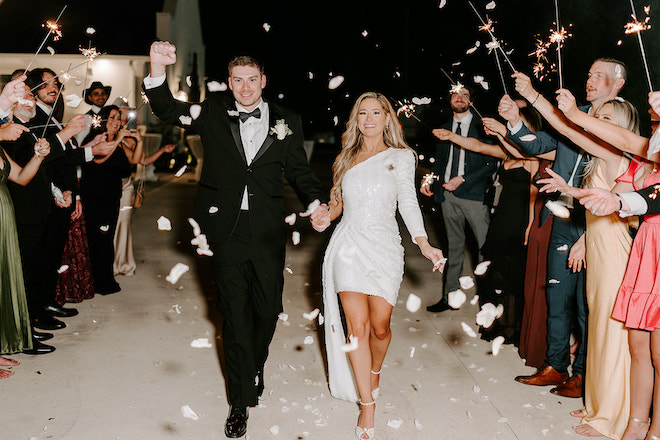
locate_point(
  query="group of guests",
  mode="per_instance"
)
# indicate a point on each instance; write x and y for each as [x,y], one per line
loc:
[557,269]
[68,188]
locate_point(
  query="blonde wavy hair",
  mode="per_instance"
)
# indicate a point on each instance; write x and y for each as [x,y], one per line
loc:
[352,139]
[625,116]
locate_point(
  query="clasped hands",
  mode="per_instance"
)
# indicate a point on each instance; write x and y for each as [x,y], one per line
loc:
[320,218]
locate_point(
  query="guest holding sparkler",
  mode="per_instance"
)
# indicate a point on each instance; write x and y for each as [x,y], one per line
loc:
[461,186]
[101,189]
[363,264]
[565,288]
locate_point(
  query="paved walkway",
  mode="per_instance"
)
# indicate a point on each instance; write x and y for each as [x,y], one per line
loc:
[124,367]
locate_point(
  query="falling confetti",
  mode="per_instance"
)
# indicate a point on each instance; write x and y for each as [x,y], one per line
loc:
[90,31]
[201,343]
[335,82]
[497,344]
[266,27]
[557,209]
[310,208]
[274,430]
[466,282]
[51,50]
[181,171]
[104,228]
[215,86]
[185,120]
[490,5]
[72,101]
[289,270]
[311,315]
[63,268]
[164,224]
[456,298]
[468,330]
[528,138]
[351,346]
[195,110]
[290,219]
[563,248]
[213,209]
[487,315]
[295,238]
[413,303]
[553,281]
[176,272]
[481,268]
[188,413]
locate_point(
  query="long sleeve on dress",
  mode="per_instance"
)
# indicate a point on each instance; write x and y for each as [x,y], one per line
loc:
[407,195]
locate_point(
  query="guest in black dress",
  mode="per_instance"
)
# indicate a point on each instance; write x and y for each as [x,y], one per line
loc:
[101,188]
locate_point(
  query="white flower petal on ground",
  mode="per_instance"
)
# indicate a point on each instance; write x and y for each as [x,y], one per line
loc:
[72,100]
[195,110]
[497,344]
[528,138]
[176,272]
[466,282]
[418,424]
[309,340]
[185,120]
[413,303]
[468,330]
[290,219]
[412,352]
[295,238]
[351,346]
[63,268]
[563,248]
[283,317]
[201,343]
[335,82]
[289,270]
[188,413]
[215,86]
[176,309]
[474,300]
[164,223]
[311,316]
[456,298]
[274,429]
[481,268]
[394,423]
[558,209]
[181,171]
[311,208]
[487,315]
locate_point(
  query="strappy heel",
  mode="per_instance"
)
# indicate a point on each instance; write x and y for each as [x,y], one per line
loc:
[374,393]
[644,422]
[370,433]
[651,436]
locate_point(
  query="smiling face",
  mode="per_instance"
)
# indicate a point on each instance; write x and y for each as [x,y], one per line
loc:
[48,91]
[460,102]
[606,113]
[246,84]
[113,123]
[372,118]
[98,97]
[26,112]
[603,83]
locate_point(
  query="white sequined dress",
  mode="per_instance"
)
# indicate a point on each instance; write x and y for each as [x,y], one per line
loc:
[365,252]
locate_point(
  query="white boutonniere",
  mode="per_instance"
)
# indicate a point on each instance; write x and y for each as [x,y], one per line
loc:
[281,129]
[233,113]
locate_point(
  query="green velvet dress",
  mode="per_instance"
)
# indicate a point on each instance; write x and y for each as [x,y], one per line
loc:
[15,330]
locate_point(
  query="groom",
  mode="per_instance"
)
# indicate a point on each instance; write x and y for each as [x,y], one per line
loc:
[249,143]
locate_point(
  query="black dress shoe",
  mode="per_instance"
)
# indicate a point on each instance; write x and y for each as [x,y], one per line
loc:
[109,290]
[236,425]
[440,306]
[41,336]
[39,348]
[47,322]
[60,312]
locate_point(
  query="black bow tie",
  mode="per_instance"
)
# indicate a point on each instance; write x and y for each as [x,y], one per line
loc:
[244,116]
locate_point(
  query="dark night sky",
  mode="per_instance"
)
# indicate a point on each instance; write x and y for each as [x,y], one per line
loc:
[414,38]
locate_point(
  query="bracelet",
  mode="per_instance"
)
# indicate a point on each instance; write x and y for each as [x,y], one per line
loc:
[537,98]
[618,196]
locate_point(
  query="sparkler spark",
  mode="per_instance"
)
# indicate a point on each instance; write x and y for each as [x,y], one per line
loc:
[407,108]
[636,26]
[54,29]
[488,27]
[90,53]
[429,178]
[456,88]
[558,37]
[96,121]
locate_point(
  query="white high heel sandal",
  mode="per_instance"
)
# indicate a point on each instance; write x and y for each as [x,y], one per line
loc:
[365,433]
[374,393]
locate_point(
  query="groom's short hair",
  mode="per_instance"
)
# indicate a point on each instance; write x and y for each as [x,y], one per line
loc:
[245,60]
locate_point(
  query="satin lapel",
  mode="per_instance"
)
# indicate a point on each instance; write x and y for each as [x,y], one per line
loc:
[271,137]
[236,133]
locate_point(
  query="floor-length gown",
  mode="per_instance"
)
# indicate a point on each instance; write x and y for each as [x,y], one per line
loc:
[76,283]
[365,253]
[124,263]
[15,330]
[505,249]
[534,329]
[607,375]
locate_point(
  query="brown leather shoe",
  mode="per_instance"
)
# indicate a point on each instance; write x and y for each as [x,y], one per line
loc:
[571,388]
[546,376]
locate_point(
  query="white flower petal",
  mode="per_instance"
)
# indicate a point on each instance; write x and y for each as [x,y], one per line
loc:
[104,228]
[456,298]
[309,340]
[466,282]
[195,226]
[497,344]
[394,423]
[471,50]
[490,5]
[553,281]
[181,171]
[63,268]
[51,50]
[289,270]
[185,120]
[72,101]
[176,272]
[413,303]
[335,82]
[528,138]
[213,209]
[474,300]
[215,86]
[442,4]
[266,27]
[90,31]
[283,316]
[311,315]
[558,209]
[164,224]
[188,413]
[481,268]
[311,208]
[290,219]
[195,110]
[563,248]
[351,346]
[468,330]
[274,430]
[201,343]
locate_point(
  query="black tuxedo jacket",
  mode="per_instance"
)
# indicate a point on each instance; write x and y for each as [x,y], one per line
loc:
[226,171]
[479,168]
[652,196]
[33,201]
[64,174]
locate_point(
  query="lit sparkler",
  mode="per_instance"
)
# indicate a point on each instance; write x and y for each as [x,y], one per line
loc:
[90,53]
[457,87]
[429,179]
[408,109]
[488,27]
[57,76]
[53,28]
[636,27]
[96,121]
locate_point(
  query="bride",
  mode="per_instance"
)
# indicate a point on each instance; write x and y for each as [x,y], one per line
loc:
[363,265]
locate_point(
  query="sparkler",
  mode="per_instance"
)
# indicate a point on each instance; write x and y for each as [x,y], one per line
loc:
[408,109]
[488,27]
[558,37]
[499,67]
[53,28]
[63,75]
[96,121]
[636,27]
[429,178]
[52,109]
[458,88]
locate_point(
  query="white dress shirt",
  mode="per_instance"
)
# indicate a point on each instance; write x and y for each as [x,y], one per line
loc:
[465,128]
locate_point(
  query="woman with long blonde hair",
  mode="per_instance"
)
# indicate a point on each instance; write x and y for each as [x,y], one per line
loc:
[363,265]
